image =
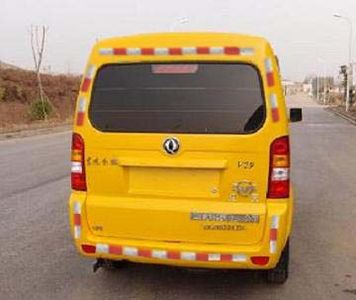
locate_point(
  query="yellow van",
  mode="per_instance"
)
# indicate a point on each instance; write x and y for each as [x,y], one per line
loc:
[180,154]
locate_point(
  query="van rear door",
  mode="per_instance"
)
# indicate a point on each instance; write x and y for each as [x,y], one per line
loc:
[178,153]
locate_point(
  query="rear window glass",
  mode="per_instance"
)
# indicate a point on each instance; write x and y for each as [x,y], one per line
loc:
[224,98]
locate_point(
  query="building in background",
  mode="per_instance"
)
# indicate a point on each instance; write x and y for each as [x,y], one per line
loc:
[291,87]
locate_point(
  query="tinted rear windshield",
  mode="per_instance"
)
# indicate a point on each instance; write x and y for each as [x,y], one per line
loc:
[225,98]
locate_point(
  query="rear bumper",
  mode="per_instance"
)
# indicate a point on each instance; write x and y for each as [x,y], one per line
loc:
[263,255]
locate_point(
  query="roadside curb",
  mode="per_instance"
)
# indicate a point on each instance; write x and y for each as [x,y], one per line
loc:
[342,115]
[21,133]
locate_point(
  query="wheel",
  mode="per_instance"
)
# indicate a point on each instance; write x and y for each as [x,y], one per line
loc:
[279,274]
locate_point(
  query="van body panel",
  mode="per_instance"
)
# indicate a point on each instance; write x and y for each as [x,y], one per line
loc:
[199,176]
[210,194]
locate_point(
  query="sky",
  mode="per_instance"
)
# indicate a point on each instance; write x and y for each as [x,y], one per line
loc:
[304,34]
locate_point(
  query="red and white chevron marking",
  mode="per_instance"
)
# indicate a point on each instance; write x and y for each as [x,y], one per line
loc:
[226,50]
[89,75]
[269,72]
[77,222]
[273,234]
[163,254]
[274,107]
[81,111]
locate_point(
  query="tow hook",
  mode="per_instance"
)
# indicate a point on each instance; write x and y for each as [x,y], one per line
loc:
[98,264]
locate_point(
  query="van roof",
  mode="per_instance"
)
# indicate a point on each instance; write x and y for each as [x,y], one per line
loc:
[183,39]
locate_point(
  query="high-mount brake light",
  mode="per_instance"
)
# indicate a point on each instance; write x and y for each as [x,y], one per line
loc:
[78,178]
[174,69]
[278,185]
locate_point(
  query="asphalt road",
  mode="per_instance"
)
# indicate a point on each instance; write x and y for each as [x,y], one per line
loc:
[38,259]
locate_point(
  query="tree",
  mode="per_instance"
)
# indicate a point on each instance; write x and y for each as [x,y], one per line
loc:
[38,42]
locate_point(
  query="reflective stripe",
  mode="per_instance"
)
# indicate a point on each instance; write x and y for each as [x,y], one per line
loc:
[106,51]
[269,72]
[215,50]
[119,51]
[275,114]
[162,254]
[270,79]
[274,110]
[130,251]
[202,257]
[247,51]
[77,220]
[90,72]
[81,110]
[273,99]
[115,249]
[77,209]
[268,65]
[144,252]
[226,257]
[275,222]
[77,232]
[161,51]
[189,50]
[214,257]
[188,255]
[85,85]
[273,234]
[203,50]
[173,255]
[80,118]
[102,248]
[133,51]
[175,51]
[147,51]
[81,104]
[232,50]
[239,258]
[273,246]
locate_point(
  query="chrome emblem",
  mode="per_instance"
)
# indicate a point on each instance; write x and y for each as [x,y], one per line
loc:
[171,145]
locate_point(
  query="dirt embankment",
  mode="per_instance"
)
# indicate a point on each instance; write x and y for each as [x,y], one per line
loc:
[18,89]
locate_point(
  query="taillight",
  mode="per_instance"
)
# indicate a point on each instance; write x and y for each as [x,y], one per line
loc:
[260,260]
[278,185]
[78,167]
[89,248]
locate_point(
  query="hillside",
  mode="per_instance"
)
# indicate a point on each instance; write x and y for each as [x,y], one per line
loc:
[7,66]
[18,89]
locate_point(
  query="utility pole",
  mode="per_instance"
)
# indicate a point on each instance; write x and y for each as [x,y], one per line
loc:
[325,83]
[349,68]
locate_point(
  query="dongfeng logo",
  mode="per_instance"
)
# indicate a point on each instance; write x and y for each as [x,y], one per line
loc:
[171,145]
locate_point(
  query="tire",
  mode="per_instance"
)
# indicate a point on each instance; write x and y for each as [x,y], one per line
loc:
[279,274]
